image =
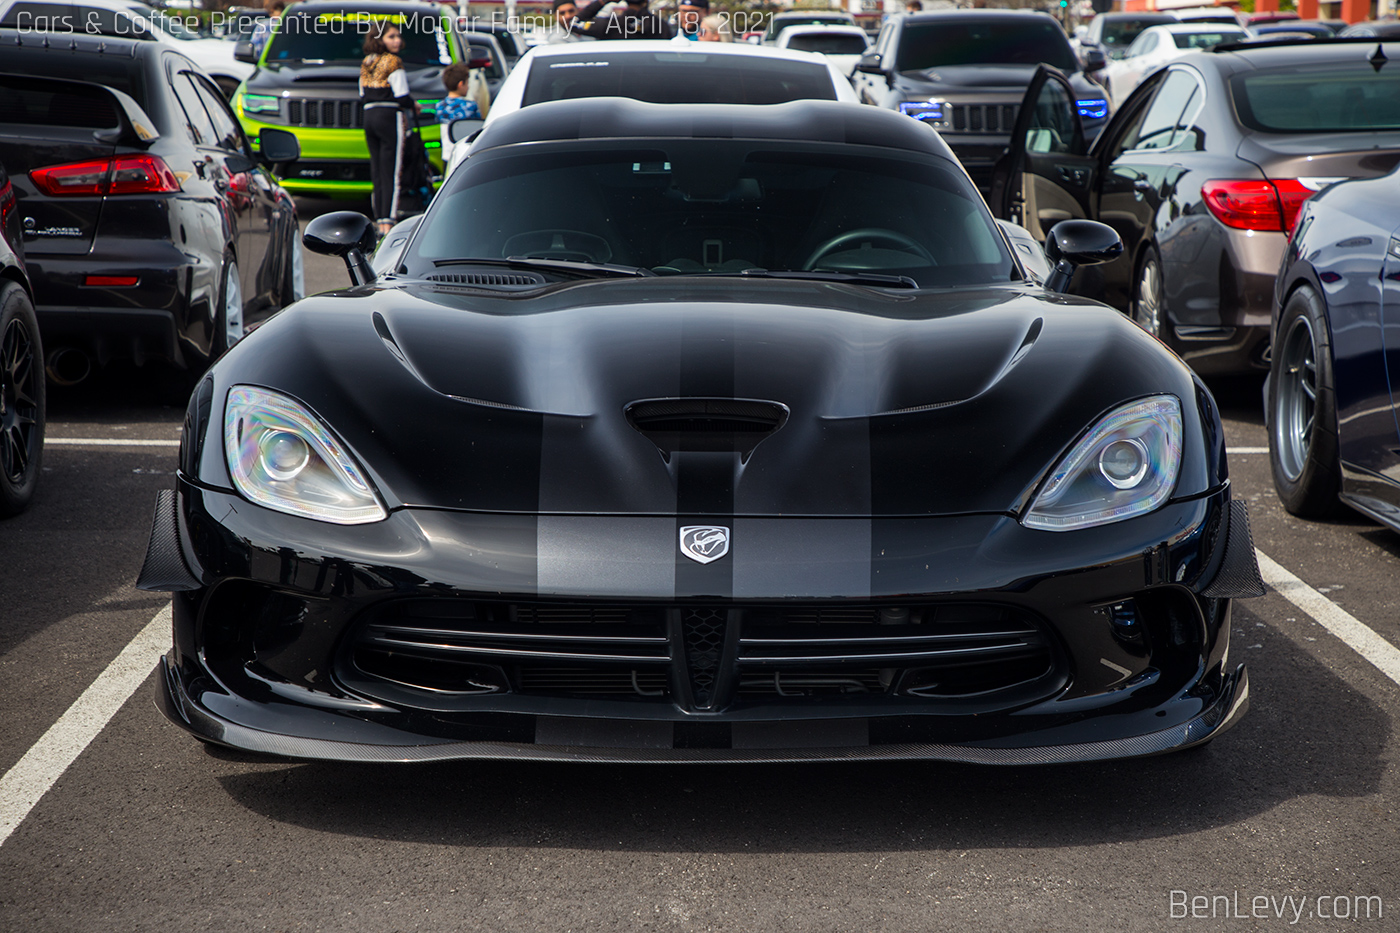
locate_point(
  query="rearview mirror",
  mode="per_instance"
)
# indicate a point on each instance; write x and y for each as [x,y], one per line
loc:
[869,64]
[276,145]
[243,52]
[459,130]
[347,234]
[1093,60]
[1074,243]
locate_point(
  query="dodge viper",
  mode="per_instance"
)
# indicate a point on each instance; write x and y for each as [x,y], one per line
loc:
[703,433]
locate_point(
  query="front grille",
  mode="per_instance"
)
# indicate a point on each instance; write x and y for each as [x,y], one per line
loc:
[313,170]
[330,114]
[432,652]
[992,119]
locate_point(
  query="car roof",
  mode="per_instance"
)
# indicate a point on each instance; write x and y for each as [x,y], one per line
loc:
[1192,29]
[1288,53]
[796,121]
[368,6]
[810,28]
[982,14]
[794,14]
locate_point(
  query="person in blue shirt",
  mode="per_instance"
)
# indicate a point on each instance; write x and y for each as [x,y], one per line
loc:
[458,105]
[263,30]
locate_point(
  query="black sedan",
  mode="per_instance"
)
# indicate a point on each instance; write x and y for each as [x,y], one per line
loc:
[150,231]
[21,366]
[760,445]
[1202,172]
[1336,331]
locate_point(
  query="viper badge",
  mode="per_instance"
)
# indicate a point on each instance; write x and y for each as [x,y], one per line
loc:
[704,543]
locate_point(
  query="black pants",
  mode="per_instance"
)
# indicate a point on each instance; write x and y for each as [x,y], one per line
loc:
[385,129]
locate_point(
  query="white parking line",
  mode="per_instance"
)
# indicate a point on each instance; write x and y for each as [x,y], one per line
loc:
[1239,451]
[32,776]
[107,442]
[1358,636]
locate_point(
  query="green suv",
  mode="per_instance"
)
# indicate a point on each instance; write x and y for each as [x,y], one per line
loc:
[308,82]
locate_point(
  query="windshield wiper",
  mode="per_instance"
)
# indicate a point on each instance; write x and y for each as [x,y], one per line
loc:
[575,267]
[853,278]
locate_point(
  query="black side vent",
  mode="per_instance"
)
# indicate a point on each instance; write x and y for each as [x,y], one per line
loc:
[493,279]
[706,424]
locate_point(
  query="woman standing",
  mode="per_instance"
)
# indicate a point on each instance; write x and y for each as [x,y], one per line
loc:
[389,112]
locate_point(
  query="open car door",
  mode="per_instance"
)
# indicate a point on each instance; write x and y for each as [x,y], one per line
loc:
[1046,174]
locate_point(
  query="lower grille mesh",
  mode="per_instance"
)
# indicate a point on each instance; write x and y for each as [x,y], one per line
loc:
[704,637]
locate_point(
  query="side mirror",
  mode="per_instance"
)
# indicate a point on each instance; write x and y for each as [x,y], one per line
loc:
[869,64]
[347,234]
[276,145]
[459,130]
[1093,60]
[1069,245]
[243,52]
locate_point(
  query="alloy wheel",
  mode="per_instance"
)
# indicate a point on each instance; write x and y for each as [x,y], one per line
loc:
[1295,409]
[19,406]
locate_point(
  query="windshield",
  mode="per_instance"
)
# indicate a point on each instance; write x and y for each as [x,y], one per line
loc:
[682,77]
[718,206]
[1310,99]
[1001,42]
[1118,34]
[828,43]
[339,37]
[1206,40]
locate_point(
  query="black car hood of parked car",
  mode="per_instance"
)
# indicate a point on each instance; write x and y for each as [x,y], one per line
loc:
[980,77]
[881,402]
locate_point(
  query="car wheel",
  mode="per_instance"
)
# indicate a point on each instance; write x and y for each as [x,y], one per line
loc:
[228,323]
[1147,309]
[1303,448]
[21,400]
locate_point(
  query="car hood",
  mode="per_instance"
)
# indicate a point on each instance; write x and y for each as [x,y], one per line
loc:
[890,403]
[973,77]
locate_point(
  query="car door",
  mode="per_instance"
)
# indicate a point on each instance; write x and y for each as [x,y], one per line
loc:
[1046,174]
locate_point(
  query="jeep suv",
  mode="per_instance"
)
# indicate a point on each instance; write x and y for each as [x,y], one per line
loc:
[308,81]
[964,73]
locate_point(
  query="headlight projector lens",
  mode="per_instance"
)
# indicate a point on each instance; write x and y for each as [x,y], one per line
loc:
[284,455]
[1124,463]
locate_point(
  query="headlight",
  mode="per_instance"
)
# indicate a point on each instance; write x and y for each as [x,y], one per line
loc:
[1126,465]
[935,112]
[1092,108]
[282,456]
[259,103]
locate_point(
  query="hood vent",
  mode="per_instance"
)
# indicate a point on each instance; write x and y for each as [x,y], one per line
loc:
[490,279]
[706,424]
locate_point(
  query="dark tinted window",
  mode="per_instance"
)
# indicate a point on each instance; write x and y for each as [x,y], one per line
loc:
[1311,99]
[340,37]
[828,43]
[1206,40]
[682,77]
[480,50]
[197,123]
[778,24]
[122,73]
[697,206]
[227,134]
[25,100]
[994,42]
[1120,33]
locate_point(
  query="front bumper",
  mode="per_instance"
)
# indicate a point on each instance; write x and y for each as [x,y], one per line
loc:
[271,614]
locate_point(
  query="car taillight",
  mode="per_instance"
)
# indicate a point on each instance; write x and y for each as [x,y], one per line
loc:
[1254,204]
[128,174]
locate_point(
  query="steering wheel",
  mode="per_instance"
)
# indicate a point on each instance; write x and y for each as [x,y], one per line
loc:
[867,233]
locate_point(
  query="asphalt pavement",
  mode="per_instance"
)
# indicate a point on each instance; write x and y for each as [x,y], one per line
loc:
[1288,821]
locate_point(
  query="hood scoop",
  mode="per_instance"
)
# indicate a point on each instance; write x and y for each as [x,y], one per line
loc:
[490,279]
[706,424]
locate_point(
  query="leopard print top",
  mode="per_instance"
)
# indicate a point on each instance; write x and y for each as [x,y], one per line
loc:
[375,69]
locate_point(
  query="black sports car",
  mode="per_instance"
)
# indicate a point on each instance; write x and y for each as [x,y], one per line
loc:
[703,433]
[1331,408]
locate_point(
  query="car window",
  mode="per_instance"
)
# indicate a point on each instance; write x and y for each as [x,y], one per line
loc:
[681,77]
[1052,127]
[828,43]
[690,206]
[339,37]
[1161,122]
[37,102]
[1145,43]
[1120,33]
[197,123]
[227,134]
[1319,98]
[1206,40]
[1009,41]
[884,40]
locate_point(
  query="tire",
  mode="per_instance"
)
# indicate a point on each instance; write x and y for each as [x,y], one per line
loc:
[22,400]
[1303,446]
[228,321]
[1147,303]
